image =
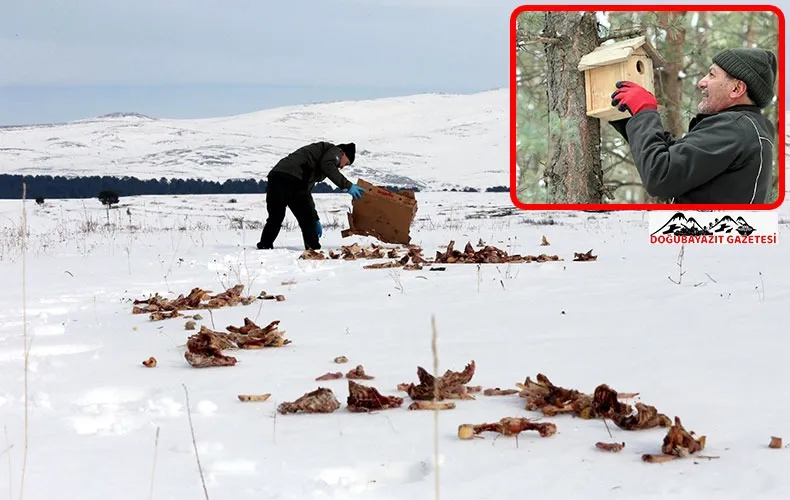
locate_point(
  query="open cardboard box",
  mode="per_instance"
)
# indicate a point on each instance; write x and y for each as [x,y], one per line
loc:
[381,213]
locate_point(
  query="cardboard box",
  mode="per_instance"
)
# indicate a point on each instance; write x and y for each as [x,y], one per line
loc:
[381,213]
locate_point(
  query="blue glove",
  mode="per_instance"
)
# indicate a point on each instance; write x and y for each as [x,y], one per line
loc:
[356,191]
[318,228]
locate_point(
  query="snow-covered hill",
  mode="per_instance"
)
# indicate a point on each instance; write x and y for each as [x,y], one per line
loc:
[431,141]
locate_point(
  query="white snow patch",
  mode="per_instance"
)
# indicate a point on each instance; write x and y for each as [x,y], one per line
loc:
[104,424]
[357,479]
[233,467]
[12,325]
[49,330]
[164,407]
[37,350]
[40,313]
[119,410]
[206,407]
[63,298]
[210,448]
[41,400]
[110,396]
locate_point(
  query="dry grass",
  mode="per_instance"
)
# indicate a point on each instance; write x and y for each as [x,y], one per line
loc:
[194,442]
[86,229]
[27,345]
[435,353]
[84,225]
[10,466]
[153,468]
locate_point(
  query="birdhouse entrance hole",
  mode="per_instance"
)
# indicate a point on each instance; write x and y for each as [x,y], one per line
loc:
[640,68]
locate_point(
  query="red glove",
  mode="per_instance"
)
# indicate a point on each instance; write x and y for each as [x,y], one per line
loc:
[633,98]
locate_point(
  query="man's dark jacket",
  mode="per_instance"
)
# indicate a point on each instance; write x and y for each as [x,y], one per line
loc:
[312,164]
[725,157]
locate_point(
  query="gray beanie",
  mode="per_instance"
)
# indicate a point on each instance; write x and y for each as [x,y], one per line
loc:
[756,67]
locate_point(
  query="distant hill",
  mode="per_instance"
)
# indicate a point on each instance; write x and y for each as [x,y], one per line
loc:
[427,141]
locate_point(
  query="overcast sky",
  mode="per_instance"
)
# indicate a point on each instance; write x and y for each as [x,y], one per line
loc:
[364,42]
[308,50]
[303,51]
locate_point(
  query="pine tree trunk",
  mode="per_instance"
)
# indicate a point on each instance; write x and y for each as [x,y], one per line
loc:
[751,36]
[671,93]
[671,84]
[574,165]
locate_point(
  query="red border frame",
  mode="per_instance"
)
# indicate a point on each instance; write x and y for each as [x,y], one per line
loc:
[650,206]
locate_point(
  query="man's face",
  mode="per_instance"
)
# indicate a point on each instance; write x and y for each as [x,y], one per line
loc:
[717,91]
[343,160]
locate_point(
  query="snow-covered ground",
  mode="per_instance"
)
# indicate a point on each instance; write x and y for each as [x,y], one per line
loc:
[431,141]
[708,350]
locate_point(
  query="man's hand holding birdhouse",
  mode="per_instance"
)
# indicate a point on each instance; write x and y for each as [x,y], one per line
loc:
[633,98]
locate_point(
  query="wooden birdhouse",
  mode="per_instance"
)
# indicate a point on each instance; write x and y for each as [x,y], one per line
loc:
[632,60]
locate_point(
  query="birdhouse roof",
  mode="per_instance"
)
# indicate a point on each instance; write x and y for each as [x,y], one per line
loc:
[618,52]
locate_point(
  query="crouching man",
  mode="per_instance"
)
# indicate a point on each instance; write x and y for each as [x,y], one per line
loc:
[727,154]
[290,184]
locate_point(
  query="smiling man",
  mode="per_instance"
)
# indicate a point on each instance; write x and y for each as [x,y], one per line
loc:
[727,154]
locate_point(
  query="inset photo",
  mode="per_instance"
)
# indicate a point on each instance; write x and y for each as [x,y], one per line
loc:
[622,108]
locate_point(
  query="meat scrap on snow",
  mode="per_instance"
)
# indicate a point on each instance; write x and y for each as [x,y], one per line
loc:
[321,400]
[413,259]
[361,398]
[451,385]
[542,395]
[204,349]
[678,443]
[161,308]
[508,426]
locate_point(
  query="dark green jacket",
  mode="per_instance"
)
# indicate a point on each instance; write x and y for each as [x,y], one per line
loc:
[726,157]
[312,164]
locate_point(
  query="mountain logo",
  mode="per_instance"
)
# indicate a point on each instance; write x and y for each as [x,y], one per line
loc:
[680,225]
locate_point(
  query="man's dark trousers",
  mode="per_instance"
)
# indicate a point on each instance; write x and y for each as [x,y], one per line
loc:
[283,191]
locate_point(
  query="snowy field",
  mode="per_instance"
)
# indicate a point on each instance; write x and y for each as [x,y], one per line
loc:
[431,141]
[708,350]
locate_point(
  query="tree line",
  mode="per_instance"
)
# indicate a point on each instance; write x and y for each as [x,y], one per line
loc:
[48,186]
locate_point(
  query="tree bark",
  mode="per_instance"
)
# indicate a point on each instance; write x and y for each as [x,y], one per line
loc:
[751,36]
[671,83]
[669,76]
[573,170]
